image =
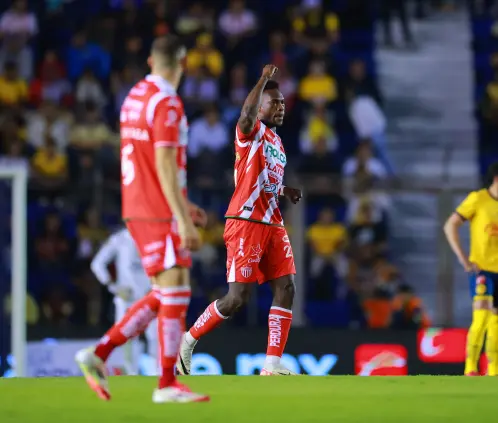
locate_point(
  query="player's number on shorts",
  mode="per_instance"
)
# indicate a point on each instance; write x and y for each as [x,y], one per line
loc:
[127,166]
[287,247]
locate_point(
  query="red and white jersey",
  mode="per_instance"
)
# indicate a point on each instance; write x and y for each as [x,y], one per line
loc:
[152,116]
[259,172]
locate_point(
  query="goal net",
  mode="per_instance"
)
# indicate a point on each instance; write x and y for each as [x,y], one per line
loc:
[13,266]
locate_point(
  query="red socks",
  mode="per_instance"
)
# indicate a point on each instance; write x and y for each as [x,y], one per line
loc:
[279,323]
[171,325]
[207,321]
[135,321]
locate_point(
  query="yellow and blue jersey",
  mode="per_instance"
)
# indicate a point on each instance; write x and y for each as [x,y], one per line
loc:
[481,210]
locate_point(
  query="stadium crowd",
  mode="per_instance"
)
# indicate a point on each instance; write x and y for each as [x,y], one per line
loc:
[65,68]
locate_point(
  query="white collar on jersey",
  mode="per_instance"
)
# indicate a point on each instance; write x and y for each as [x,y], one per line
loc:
[162,83]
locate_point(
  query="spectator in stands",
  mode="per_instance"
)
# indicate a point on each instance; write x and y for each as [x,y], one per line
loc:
[15,151]
[489,113]
[91,235]
[385,274]
[13,89]
[315,29]
[52,245]
[368,236]
[14,50]
[57,307]
[32,310]
[89,90]
[51,84]
[319,166]
[408,309]
[369,121]
[237,93]
[238,24]
[161,22]
[18,21]
[49,170]
[121,84]
[205,54]
[359,83]
[318,127]
[288,87]
[363,161]
[327,240]
[195,20]
[91,134]
[13,130]
[200,88]
[208,144]
[48,120]
[82,55]
[132,56]
[378,309]
[318,85]
[387,10]
[278,53]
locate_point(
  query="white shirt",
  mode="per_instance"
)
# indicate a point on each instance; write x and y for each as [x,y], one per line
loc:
[12,23]
[373,165]
[367,117]
[59,131]
[232,24]
[121,250]
[205,136]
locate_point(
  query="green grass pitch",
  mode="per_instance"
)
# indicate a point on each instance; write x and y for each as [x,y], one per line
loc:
[239,399]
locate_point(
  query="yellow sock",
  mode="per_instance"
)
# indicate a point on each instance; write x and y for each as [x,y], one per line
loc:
[475,339]
[492,345]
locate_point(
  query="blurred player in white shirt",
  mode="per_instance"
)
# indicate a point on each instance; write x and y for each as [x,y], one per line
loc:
[130,285]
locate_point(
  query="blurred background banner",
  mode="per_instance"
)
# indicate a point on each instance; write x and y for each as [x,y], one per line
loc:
[313,352]
[391,119]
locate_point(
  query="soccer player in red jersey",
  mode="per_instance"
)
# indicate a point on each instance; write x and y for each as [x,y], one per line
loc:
[258,247]
[158,216]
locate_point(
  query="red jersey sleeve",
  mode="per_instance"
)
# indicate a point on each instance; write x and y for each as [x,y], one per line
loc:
[242,139]
[166,124]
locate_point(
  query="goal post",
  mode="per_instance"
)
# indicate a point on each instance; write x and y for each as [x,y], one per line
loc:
[17,173]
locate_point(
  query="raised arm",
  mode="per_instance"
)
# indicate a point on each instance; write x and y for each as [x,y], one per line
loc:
[251,106]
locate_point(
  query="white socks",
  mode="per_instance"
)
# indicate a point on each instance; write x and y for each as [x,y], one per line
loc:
[271,362]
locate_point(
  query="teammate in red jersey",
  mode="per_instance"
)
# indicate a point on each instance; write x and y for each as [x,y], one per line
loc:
[158,216]
[258,248]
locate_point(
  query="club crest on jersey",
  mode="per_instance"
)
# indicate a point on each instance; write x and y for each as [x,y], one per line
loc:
[246,271]
[272,189]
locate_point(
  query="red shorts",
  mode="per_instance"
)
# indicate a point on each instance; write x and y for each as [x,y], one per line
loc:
[159,245]
[257,252]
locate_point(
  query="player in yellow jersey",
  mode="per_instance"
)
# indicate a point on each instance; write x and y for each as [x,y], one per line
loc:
[480,208]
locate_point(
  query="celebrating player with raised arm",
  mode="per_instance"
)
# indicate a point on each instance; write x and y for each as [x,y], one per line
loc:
[158,216]
[258,247]
[480,208]
[131,284]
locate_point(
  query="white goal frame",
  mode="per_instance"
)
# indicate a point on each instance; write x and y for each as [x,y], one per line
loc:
[18,174]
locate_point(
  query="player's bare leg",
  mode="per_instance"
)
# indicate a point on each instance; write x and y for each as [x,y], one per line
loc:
[174,291]
[217,312]
[279,323]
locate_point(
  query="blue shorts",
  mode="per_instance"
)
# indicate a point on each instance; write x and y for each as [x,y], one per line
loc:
[482,284]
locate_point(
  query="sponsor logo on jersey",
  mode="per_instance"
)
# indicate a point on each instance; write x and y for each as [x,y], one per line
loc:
[381,360]
[135,134]
[275,153]
[255,254]
[441,345]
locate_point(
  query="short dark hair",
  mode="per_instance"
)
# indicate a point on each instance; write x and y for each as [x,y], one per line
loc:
[271,85]
[168,48]
[492,172]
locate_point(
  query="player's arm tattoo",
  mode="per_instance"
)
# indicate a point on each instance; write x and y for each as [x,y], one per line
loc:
[251,106]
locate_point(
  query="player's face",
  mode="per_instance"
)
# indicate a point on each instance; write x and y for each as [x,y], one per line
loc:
[273,108]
